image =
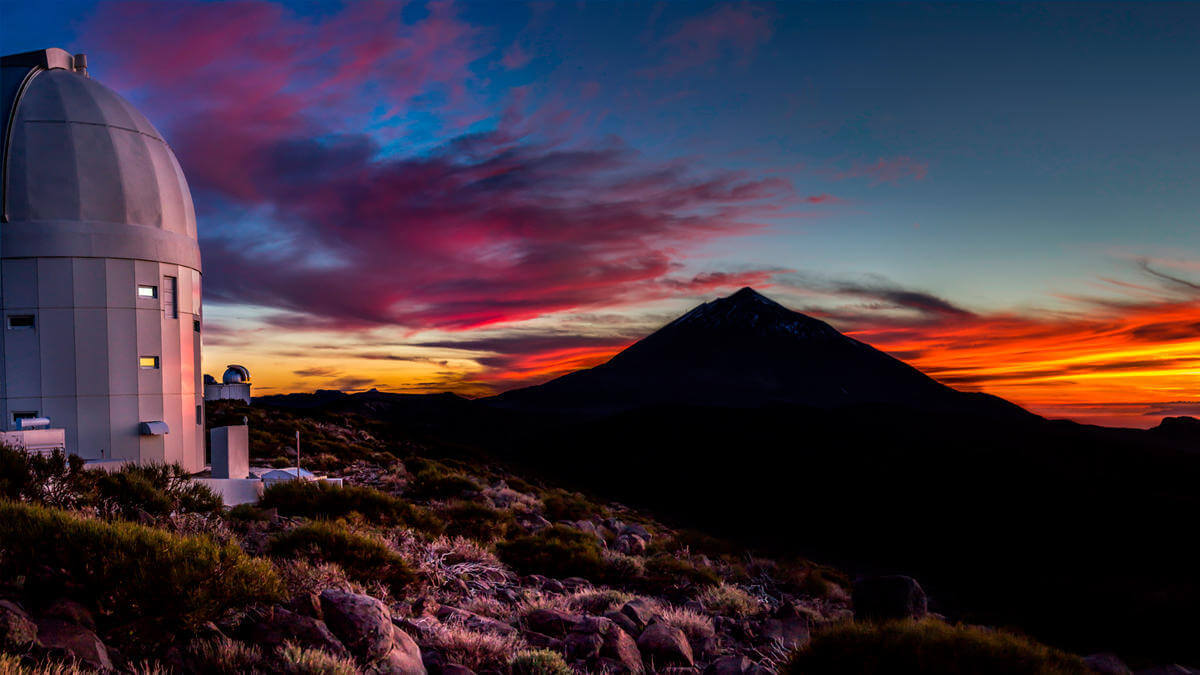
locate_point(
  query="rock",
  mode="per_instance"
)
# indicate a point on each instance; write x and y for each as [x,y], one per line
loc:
[790,625]
[483,624]
[285,625]
[16,628]
[620,647]
[542,641]
[308,604]
[456,669]
[1108,664]
[71,612]
[623,622]
[680,670]
[583,646]
[576,583]
[734,664]
[74,641]
[888,597]
[665,645]
[641,611]
[552,622]
[635,530]
[630,544]
[554,586]
[405,657]
[362,623]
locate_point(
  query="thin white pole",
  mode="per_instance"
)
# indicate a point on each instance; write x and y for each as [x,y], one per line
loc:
[297,453]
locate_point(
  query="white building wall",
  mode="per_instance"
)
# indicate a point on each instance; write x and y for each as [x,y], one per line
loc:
[79,364]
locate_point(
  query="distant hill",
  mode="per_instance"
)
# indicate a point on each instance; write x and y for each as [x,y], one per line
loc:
[747,351]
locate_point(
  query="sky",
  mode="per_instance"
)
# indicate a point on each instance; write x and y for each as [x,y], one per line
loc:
[472,196]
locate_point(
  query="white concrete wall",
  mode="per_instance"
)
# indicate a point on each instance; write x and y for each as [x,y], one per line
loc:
[79,364]
[234,491]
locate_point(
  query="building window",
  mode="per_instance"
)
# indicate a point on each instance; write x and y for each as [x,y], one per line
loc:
[199,414]
[170,298]
[24,415]
[20,322]
[196,325]
[148,362]
[145,291]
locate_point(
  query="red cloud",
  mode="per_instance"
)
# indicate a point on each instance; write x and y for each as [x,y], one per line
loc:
[728,30]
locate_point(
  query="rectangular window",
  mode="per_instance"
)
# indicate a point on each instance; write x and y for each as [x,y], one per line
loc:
[199,414]
[196,325]
[27,415]
[20,322]
[148,362]
[146,291]
[169,298]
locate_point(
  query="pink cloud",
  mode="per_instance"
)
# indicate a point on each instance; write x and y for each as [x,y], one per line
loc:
[733,31]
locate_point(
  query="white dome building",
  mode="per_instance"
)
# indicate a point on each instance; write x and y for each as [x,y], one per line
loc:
[99,269]
[234,385]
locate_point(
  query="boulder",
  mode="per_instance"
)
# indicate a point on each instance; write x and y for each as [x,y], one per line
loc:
[621,648]
[665,645]
[362,623]
[635,530]
[287,626]
[71,612]
[456,669]
[16,628]
[630,544]
[641,611]
[483,624]
[541,641]
[733,664]
[308,604]
[552,622]
[583,646]
[789,625]
[889,597]
[74,641]
[623,622]
[1107,664]
[404,658]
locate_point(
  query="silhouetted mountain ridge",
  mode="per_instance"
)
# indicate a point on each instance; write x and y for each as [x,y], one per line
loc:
[746,350]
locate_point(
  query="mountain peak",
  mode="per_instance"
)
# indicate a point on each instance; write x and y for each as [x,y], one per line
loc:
[749,310]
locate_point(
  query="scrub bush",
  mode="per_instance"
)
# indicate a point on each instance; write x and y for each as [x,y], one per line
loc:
[314,499]
[138,573]
[930,647]
[363,558]
[556,551]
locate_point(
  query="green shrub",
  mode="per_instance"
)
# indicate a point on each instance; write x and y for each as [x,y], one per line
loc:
[476,521]
[297,660]
[557,551]
[248,513]
[538,662]
[563,505]
[437,483]
[363,558]
[138,572]
[930,647]
[665,571]
[225,657]
[156,489]
[55,479]
[315,499]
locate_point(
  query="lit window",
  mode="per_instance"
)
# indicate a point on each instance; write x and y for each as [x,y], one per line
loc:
[148,362]
[20,321]
[145,291]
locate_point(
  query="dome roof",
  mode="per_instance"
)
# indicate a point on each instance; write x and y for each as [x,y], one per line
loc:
[235,374]
[77,151]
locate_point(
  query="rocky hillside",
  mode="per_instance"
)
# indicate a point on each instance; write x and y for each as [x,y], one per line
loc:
[426,564]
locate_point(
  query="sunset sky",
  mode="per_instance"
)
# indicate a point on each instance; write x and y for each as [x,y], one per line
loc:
[476,196]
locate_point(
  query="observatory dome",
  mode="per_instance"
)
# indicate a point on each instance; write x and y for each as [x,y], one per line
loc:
[80,159]
[235,374]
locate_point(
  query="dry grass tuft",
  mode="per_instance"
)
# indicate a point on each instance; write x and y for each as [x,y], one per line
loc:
[473,649]
[696,626]
[729,600]
[299,660]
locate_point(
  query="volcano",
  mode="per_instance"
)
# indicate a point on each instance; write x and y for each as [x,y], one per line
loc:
[748,351]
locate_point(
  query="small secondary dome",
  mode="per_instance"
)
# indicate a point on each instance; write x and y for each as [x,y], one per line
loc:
[235,374]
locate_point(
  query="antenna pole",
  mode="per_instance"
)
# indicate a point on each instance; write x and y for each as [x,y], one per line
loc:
[297,453]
